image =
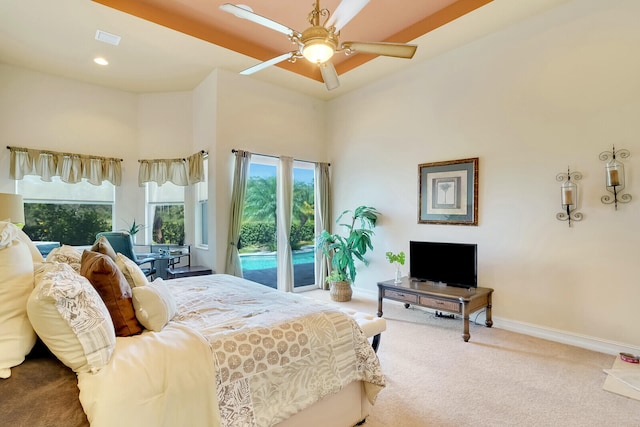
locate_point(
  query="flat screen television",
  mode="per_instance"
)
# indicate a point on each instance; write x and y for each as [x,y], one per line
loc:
[454,264]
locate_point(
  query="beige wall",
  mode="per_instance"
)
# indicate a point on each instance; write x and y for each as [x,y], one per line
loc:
[41,111]
[225,111]
[551,92]
[263,119]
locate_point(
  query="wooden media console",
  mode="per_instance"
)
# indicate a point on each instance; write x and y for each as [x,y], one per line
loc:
[462,301]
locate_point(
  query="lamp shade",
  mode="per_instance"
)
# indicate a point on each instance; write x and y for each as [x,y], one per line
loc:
[11,208]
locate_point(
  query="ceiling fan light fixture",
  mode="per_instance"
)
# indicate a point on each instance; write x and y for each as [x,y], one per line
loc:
[318,52]
[318,44]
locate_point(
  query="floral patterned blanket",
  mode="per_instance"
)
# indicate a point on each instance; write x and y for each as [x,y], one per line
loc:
[274,353]
[236,354]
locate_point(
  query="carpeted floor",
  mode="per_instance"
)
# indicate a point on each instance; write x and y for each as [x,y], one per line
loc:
[498,378]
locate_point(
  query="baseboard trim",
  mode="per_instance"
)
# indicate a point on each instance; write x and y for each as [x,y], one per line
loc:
[577,340]
[556,335]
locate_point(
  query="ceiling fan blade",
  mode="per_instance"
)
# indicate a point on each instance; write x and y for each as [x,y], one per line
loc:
[268,63]
[398,50]
[345,13]
[329,75]
[243,13]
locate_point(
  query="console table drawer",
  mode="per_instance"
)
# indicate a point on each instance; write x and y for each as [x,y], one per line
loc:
[401,296]
[440,304]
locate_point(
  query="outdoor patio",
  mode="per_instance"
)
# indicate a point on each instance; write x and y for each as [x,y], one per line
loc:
[303,275]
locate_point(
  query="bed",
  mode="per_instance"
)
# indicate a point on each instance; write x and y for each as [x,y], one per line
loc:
[234,353]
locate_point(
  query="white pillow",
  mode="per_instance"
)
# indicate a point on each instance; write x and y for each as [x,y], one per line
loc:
[71,319]
[67,254]
[132,272]
[154,305]
[16,283]
[35,253]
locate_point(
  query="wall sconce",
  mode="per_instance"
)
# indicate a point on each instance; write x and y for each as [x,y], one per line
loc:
[569,196]
[614,174]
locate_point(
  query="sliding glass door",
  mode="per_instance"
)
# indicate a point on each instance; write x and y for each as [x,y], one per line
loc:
[258,248]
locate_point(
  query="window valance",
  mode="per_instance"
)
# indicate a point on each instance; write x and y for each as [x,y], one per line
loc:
[185,171]
[71,168]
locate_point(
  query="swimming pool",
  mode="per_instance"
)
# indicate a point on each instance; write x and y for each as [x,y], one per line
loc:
[268,260]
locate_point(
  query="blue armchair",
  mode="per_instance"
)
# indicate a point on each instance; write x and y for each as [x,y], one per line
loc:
[122,242]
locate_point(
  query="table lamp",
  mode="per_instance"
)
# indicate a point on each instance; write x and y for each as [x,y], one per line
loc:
[12,209]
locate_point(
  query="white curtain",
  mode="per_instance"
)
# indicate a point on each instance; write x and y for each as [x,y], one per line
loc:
[240,175]
[71,168]
[183,172]
[322,220]
[284,203]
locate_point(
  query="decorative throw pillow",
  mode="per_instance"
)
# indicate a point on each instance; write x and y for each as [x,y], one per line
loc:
[132,272]
[71,319]
[154,305]
[114,290]
[16,283]
[66,254]
[103,246]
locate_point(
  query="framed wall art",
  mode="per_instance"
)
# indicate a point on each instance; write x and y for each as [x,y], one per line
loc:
[448,192]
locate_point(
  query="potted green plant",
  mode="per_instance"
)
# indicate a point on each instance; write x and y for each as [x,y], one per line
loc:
[343,251]
[398,260]
[133,228]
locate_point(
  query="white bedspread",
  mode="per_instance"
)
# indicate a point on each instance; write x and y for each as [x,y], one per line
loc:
[162,378]
[266,355]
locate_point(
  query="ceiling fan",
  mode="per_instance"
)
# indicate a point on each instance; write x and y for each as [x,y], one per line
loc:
[319,42]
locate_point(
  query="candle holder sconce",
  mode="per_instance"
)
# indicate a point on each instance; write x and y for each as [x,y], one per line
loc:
[614,175]
[569,196]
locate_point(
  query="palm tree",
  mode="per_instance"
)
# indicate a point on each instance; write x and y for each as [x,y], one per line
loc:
[260,200]
[303,201]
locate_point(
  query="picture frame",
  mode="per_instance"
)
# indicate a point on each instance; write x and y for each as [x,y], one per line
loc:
[448,192]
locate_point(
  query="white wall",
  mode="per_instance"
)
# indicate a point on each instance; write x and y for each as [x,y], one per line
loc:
[165,131]
[205,107]
[41,111]
[262,119]
[551,92]
[225,111]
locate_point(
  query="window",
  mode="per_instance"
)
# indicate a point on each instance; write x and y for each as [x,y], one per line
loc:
[165,211]
[202,209]
[71,214]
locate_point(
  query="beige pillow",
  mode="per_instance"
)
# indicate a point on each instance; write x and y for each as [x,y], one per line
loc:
[154,305]
[71,319]
[102,246]
[16,283]
[132,272]
[67,254]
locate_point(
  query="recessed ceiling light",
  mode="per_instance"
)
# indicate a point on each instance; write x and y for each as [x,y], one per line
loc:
[100,61]
[105,37]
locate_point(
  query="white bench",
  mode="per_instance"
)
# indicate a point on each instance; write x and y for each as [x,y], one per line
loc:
[371,325]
